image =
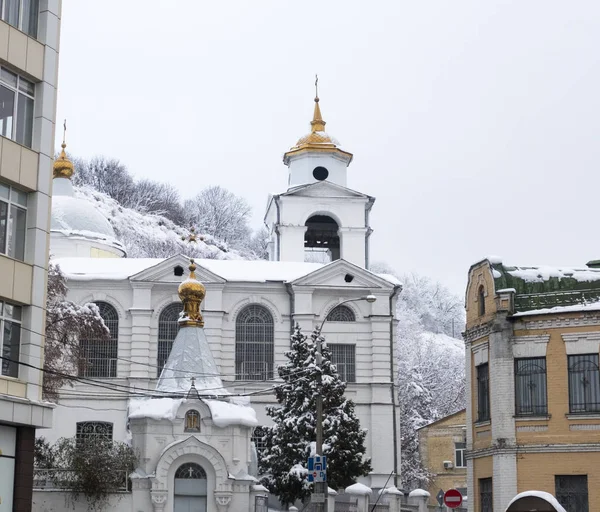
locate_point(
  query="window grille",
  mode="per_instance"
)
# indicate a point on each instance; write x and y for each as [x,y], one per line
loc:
[344,358]
[94,430]
[16,115]
[190,471]
[258,439]
[168,326]
[21,14]
[459,455]
[483,393]
[481,300]
[486,495]
[101,355]
[10,338]
[572,492]
[13,220]
[192,421]
[254,340]
[341,314]
[584,383]
[530,386]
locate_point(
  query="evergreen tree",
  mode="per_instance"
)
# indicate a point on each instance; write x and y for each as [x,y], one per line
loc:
[290,441]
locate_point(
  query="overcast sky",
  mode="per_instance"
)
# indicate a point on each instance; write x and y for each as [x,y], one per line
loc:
[475,124]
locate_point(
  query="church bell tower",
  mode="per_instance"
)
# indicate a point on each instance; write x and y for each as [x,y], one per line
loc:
[319,219]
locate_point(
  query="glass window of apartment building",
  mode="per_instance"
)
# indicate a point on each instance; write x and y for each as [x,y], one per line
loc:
[16,107]
[13,225]
[459,455]
[584,383]
[486,495]
[530,387]
[572,492]
[21,14]
[483,392]
[10,338]
[343,356]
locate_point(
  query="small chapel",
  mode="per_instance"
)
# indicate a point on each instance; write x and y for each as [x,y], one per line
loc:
[317,274]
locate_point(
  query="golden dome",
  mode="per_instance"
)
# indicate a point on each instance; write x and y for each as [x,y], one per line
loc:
[317,140]
[192,293]
[63,167]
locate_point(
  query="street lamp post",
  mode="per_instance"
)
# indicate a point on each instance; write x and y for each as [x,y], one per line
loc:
[321,487]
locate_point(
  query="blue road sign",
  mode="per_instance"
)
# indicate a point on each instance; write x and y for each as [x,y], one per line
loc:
[317,468]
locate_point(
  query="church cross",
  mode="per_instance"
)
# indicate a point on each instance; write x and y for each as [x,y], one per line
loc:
[192,237]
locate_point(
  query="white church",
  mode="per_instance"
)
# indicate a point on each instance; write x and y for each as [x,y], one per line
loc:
[244,329]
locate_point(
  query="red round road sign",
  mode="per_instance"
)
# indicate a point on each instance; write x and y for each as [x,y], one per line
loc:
[452,498]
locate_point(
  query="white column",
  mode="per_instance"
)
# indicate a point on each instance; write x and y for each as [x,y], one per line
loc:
[291,243]
[353,245]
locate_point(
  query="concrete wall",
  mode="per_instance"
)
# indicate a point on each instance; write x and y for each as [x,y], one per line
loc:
[59,501]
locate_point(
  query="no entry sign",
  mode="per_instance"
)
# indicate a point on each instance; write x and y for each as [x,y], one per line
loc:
[452,498]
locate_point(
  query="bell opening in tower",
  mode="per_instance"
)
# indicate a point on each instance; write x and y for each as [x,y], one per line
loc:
[321,240]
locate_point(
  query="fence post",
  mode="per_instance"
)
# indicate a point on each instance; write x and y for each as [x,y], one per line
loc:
[419,497]
[331,494]
[394,496]
[362,492]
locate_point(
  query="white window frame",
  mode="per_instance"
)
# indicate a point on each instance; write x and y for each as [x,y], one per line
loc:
[461,451]
[3,15]
[18,89]
[6,368]
[13,198]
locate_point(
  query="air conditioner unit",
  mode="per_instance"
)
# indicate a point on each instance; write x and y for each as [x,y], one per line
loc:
[448,464]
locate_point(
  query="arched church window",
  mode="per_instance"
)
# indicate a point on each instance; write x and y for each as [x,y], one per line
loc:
[192,421]
[320,173]
[190,471]
[254,339]
[341,314]
[321,239]
[481,300]
[100,354]
[168,326]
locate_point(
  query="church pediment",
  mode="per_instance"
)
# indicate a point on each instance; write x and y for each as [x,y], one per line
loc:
[343,274]
[164,272]
[324,189]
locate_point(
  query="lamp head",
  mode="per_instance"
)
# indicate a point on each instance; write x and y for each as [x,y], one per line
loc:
[370,298]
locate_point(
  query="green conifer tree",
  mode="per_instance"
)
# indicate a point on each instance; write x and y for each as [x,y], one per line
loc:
[291,440]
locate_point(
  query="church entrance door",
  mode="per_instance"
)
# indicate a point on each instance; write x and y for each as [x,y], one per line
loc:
[190,488]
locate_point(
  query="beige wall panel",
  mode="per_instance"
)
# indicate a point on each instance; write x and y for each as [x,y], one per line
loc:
[29,168]
[7,270]
[17,48]
[35,59]
[11,160]
[4,29]
[22,282]
[16,388]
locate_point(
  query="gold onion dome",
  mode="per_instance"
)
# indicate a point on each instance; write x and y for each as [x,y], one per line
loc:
[192,293]
[63,167]
[317,140]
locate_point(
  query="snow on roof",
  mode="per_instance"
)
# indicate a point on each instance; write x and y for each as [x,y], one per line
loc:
[79,216]
[592,306]
[359,489]
[547,497]
[543,273]
[261,271]
[155,408]
[225,414]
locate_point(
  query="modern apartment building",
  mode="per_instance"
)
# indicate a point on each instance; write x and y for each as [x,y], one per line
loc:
[533,377]
[29,45]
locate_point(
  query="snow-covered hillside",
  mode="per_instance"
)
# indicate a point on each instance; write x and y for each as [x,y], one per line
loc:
[153,236]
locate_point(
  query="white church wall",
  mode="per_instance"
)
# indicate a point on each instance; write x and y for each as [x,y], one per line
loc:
[58,501]
[301,168]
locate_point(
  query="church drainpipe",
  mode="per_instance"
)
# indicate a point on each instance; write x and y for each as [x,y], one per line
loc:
[397,289]
[276,198]
[288,289]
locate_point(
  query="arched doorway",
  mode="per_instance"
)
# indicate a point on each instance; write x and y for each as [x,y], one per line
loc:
[321,239]
[190,488]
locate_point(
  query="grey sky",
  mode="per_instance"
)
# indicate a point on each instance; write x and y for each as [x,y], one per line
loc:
[473,123]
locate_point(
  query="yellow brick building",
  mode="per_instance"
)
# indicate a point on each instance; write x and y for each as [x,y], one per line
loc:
[533,380]
[442,446]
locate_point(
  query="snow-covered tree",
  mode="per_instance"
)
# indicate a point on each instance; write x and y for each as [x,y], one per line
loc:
[220,213]
[66,323]
[431,368]
[290,441]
